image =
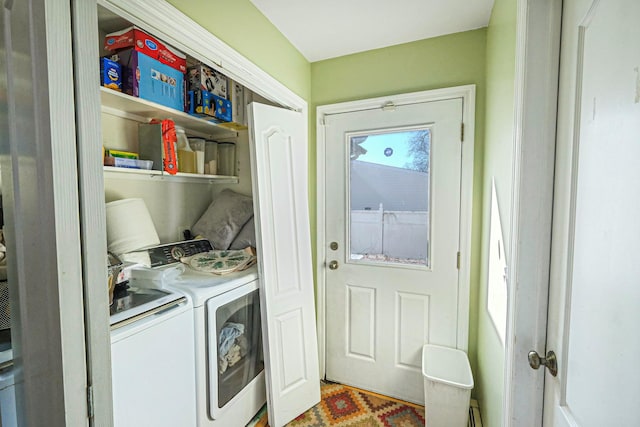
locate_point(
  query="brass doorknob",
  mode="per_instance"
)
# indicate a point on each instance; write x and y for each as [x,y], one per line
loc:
[333,265]
[535,361]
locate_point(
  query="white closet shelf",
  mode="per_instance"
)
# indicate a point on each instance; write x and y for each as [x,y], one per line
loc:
[129,107]
[112,172]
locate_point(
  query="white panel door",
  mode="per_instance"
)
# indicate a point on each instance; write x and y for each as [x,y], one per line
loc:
[594,293]
[392,191]
[279,166]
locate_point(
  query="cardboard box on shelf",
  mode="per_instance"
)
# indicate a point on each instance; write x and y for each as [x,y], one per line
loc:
[158,142]
[238,105]
[110,152]
[202,77]
[150,144]
[139,40]
[223,109]
[147,78]
[110,74]
[199,103]
[205,104]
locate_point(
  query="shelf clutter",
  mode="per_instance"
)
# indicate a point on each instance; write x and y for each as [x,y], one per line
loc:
[185,111]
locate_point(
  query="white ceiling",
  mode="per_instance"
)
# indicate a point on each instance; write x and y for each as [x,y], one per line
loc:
[332,28]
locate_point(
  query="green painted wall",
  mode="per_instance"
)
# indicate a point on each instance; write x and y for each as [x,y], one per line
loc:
[498,162]
[452,60]
[484,57]
[243,27]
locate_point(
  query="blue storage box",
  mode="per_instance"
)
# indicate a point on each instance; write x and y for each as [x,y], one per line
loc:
[205,104]
[222,110]
[147,78]
[199,103]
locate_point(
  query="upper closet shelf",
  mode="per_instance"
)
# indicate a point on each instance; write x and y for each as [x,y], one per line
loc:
[129,107]
[111,172]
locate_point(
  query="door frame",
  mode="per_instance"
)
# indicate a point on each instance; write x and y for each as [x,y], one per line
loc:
[536,97]
[467,93]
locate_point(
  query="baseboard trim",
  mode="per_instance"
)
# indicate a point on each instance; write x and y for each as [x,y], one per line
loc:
[475,420]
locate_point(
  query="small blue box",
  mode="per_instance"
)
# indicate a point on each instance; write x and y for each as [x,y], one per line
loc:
[110,74]
[222,110]
[199,103]
[150,79]
[205,104]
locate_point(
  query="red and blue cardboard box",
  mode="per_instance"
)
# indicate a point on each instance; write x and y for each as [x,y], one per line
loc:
[150,79]
[134,37]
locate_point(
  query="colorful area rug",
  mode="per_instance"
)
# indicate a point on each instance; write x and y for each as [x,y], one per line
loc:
[343,406]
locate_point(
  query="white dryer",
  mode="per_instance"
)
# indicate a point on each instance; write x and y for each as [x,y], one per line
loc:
[230,383]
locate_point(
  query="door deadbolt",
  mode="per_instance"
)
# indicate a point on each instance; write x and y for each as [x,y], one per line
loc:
[333,246]
[535,361]
[333,265]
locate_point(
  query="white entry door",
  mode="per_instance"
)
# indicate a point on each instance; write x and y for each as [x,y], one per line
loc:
[279,169]
[392,218]
[595,276]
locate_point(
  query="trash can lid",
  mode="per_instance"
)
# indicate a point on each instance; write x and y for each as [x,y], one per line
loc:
[447,366]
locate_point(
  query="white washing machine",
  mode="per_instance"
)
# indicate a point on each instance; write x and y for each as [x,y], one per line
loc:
[152,358]
[230,384]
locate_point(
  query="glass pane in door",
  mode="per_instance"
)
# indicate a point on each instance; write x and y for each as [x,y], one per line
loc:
[389,179]
[240,357]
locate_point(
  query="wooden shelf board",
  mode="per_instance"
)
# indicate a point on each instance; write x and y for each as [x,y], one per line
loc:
[128,173]
[129,107]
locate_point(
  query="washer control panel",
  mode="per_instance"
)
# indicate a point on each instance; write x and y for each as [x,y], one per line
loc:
[172,252]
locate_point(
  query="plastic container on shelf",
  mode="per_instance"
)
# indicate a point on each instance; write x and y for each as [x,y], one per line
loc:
[197,146]
[447,386]
[226,158]
[121,162]
[210,157]
[186,156]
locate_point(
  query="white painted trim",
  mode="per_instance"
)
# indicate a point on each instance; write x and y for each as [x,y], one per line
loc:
[59,113]
[466,217]
[169,24]
[467,93]
[536,88]
[321,249]
[92,210]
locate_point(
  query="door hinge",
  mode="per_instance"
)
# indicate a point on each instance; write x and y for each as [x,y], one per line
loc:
[90,406]
[458,261]
[461,132]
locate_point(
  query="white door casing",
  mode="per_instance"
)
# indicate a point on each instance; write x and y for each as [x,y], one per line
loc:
[594,278]
[364,346]
[278,162]
[536,92]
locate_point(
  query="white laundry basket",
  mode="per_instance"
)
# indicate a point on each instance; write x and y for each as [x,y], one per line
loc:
[447,386]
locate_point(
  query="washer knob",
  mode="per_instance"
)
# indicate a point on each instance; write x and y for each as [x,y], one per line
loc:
[177,252]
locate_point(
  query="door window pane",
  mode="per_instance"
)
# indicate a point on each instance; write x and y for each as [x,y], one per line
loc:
[389,178]
[240,357]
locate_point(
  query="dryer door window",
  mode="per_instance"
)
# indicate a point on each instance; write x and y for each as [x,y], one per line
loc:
[239,345]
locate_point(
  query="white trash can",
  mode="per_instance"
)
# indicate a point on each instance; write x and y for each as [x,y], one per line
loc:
[447,386]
